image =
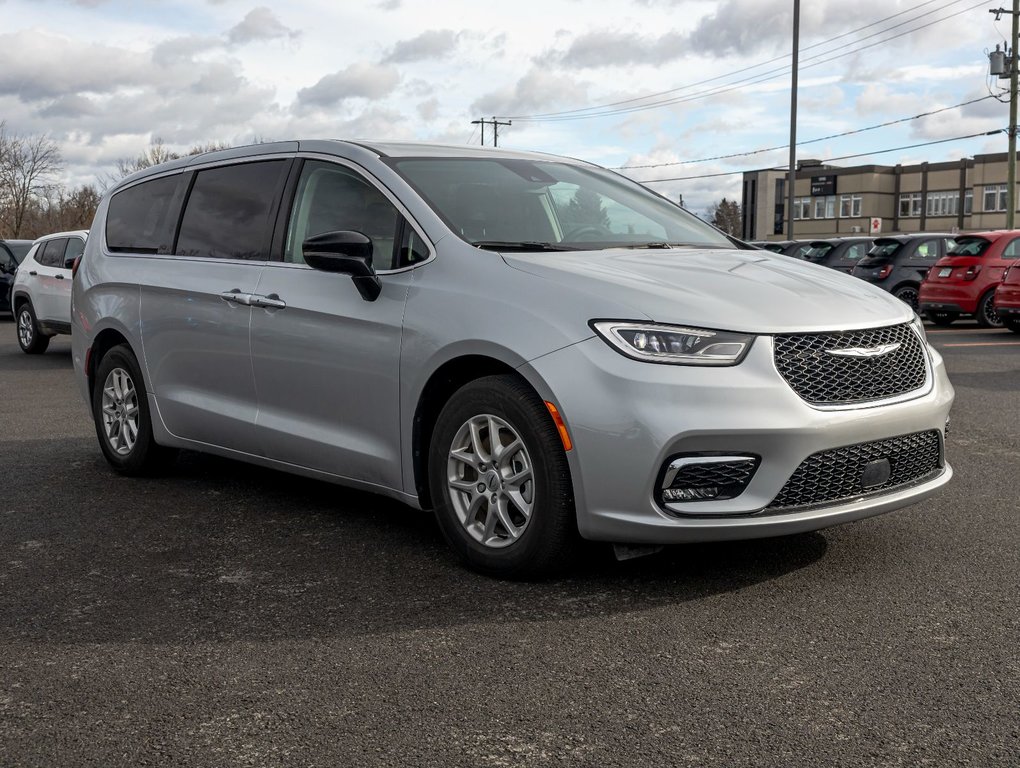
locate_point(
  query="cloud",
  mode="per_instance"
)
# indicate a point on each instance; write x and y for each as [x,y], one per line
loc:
[539,89]
[429,110]
[367,81]
[610,48]
[431,44]
[260,24]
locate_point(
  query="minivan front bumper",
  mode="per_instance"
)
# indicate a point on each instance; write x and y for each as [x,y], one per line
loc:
[627,419]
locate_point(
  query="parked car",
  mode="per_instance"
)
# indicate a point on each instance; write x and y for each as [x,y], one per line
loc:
[11,254]
[899,263]
[776,246]
[842,253]
[449,327]
[41,295]
[1007,298]
[964,281]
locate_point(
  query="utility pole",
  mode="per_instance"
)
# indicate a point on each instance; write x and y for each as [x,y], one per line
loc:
[1012,63]
[495,128]
[791,176]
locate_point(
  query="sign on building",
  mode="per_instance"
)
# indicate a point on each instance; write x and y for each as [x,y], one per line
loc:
[876,226]
[822,186]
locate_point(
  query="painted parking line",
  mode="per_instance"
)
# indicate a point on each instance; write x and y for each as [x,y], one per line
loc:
[931,331]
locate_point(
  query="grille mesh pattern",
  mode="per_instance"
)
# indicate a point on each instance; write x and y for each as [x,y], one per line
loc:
[825,379]
[720,474]
[833,475]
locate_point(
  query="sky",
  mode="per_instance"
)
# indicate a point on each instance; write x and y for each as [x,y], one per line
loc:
[105,78]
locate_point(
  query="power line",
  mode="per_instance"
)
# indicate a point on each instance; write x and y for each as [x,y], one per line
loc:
[761,77]
[537,117]
[830,159]
[802,143]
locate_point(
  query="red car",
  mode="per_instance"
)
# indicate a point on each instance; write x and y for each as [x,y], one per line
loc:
[964,281]
[1007,298]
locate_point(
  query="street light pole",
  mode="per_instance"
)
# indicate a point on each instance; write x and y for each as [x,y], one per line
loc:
[1011,192]
[791,176]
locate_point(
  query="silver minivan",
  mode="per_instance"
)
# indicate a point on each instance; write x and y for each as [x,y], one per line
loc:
[535,348]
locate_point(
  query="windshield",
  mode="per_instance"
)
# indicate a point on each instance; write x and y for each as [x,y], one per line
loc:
[545,205]
[969,246]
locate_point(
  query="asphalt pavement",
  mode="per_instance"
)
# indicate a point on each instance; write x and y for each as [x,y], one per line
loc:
[225,615]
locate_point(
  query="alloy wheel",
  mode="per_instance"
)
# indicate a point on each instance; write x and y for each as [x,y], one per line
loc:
[120,411]
[491,481]
[909,296]
[26,328]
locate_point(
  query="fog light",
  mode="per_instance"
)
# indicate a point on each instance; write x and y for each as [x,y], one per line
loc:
[706,477]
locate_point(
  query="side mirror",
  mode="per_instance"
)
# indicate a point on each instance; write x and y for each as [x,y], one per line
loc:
[346,252]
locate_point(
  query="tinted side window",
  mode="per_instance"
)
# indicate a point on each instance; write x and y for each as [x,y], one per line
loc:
[331,198]
[227,215]
[53,253]
[136,221]
[7,260]
[75,247]
[1012,250]
[855,251]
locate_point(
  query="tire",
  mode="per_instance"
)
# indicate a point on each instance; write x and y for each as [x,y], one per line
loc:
[543,540]
[943,319]
[31,340]
[986,314]
[1013,325]
[908,294]
[118,402]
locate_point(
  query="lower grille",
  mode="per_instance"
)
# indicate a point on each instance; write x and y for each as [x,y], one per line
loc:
[838,474]
[706,477]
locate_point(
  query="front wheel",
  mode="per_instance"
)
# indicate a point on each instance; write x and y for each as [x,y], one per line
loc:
[986,315]
[500,483]
[120,410]
[31,340]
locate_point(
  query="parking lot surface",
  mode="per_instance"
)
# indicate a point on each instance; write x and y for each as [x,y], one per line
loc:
[225,615]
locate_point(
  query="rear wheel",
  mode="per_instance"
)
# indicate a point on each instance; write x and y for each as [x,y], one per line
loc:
[120,410]
[908,295]
[986,315]
[942,318]
[500,483]
[31,340]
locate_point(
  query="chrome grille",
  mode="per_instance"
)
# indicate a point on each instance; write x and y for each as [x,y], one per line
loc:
[821,378]
[834,475]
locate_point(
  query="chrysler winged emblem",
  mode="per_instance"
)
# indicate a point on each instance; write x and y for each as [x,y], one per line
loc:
[881,349]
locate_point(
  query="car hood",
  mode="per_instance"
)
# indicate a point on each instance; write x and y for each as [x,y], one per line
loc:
[738,290]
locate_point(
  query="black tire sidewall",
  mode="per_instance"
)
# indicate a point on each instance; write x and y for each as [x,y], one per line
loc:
[39,340]
[984,305]
[140,456]
[545,545]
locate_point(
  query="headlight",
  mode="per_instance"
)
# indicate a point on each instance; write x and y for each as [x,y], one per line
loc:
[673,344]
[918,326]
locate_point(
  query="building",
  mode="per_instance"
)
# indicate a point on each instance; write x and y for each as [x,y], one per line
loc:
[965,194]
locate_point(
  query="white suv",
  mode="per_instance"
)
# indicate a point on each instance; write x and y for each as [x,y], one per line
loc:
[41,296]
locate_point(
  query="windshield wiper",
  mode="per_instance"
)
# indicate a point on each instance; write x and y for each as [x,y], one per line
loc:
[651,244]
[519,245]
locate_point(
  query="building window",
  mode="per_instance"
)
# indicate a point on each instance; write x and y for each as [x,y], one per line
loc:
[995,198]
[968,202]
[802,208]
[825,207]
[850,206]
[942,204]
[910,204]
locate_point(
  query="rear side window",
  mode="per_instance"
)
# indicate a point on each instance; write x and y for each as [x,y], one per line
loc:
[52,253]
[137,218]
[75,247]
[228,213]
[927,250]
[856,251]
[1012,250]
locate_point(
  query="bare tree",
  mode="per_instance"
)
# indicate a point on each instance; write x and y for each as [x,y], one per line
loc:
[28,165]
[157,153]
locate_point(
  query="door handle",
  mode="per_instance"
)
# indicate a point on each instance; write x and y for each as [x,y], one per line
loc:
[236,297]
[33,273]
[59,277]
[272,301]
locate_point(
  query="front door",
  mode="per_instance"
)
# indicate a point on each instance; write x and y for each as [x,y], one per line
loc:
[327,361]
